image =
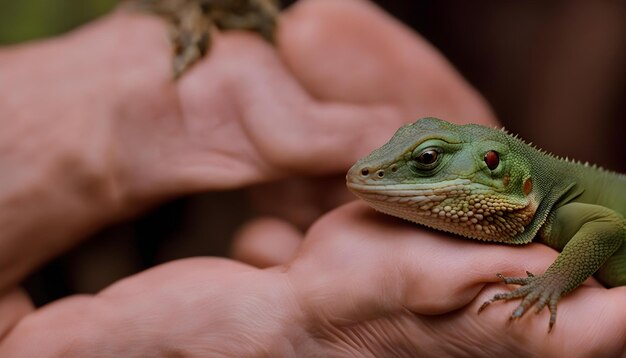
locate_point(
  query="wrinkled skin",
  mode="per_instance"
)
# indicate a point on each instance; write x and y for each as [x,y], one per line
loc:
[360,284]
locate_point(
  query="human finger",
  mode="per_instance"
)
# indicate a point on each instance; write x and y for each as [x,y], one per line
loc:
[386,267]
[265,242]
[352,51]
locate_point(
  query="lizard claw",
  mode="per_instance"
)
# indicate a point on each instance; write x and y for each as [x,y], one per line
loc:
[539,291]
[191,23]
[485,304]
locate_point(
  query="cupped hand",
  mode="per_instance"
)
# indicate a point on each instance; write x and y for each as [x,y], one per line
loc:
[390,287]
[361,285]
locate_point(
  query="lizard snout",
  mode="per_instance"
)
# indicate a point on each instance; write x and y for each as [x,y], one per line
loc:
[361,174]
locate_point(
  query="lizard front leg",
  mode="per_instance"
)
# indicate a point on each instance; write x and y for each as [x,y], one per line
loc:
[587,235]
[254,15]
[191,23]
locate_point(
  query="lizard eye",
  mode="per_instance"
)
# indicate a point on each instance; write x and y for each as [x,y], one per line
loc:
[492,159]
[427,157]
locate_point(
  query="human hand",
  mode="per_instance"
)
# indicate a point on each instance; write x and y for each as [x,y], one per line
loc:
[362,284]
[106,133]
[343,77]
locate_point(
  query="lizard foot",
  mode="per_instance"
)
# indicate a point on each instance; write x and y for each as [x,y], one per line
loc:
[539,290]
[191,22]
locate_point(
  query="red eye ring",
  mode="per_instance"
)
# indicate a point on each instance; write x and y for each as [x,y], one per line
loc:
[492,159]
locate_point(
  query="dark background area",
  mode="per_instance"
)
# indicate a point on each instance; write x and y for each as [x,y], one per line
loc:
[553,71]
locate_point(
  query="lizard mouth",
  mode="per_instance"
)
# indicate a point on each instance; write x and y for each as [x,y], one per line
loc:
[458,206]
[425,192]
[415,202]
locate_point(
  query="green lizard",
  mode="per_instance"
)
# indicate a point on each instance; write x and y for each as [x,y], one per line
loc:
[485,184]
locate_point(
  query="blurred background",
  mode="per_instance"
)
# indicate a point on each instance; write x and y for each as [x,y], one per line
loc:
[553,71]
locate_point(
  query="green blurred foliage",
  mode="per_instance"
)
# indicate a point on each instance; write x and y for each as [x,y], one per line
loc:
[31,19]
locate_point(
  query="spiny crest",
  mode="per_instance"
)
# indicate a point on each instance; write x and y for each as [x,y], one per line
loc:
[566,159]
[517,138]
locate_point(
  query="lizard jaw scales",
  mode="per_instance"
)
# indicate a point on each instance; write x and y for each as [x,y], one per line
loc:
[457,206]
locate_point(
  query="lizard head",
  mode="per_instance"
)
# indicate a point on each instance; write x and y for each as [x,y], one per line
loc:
[464,179]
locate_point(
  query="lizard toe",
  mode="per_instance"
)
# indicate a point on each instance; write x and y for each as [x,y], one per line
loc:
[517,280]
[540,291]
[528,300]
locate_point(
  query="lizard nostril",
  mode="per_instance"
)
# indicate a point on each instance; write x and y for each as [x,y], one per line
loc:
[365,172]
[380,173]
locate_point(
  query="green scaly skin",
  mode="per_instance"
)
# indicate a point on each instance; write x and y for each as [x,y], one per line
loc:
[486,184]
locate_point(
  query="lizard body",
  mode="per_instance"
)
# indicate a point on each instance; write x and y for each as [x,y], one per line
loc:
[486,184]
